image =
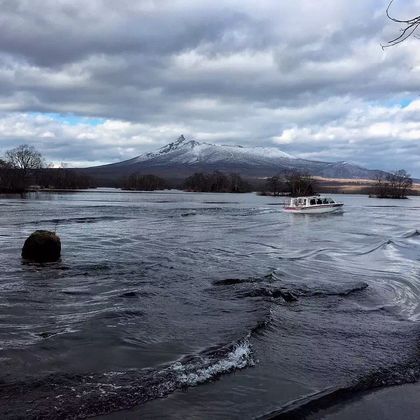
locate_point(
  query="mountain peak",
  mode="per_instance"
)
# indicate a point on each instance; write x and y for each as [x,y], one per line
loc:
[177,144]
[181,139]
[186,156]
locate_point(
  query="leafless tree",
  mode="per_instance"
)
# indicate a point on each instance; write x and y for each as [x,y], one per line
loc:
[409,27]
[216,182]
[275,185]
[25,158]
[144,183]
[63,178]
[18,168]
[393,185]
[300,183]
[10,179]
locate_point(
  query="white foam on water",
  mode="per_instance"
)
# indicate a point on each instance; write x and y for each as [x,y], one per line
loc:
[239,358]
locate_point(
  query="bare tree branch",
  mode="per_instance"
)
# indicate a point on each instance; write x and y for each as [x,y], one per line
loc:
[25,158]
[411,26]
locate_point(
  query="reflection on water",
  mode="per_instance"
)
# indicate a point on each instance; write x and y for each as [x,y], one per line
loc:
[162,292]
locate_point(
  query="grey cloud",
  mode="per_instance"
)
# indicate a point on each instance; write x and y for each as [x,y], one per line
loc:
[50,33]
[232,71]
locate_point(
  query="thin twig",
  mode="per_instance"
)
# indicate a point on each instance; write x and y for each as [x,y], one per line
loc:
[411,26]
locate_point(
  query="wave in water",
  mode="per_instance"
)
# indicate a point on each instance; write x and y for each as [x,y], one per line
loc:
[79,396]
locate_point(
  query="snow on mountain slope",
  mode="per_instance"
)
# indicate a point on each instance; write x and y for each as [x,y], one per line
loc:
[184,151]
[183,157]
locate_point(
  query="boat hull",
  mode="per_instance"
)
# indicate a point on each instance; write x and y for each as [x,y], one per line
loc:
[320,209]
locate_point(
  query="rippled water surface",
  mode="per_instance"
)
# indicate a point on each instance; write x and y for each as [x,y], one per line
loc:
[205,305]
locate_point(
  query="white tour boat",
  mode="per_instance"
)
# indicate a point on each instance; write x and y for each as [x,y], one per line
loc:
[314,204]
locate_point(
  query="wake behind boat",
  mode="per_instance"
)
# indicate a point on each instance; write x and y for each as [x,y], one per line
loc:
[313,205]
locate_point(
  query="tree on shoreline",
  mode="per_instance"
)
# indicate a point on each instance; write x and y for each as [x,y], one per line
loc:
[137,182]
[293,182]
[25,158]
[19,167]
[393,185]
[216,182]
[62,178]
[300,183]
[275,185]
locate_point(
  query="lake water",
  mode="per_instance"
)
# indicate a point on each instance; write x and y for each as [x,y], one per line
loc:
[188,305]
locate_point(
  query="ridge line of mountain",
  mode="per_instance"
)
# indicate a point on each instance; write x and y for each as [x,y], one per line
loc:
[183,157]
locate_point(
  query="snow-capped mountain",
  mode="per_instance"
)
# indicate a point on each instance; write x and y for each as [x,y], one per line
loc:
[183,157]
[191,152]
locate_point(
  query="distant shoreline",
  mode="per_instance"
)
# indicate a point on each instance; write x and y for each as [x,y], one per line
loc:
[325,186]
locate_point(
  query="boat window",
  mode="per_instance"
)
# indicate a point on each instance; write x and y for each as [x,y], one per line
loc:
[331,201]
[312,201]
[325,201]
[318,201]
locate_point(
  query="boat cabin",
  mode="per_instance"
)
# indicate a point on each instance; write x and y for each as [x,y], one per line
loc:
[313,204]
[311,201]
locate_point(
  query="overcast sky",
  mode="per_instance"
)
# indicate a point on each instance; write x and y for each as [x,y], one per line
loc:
[90,82]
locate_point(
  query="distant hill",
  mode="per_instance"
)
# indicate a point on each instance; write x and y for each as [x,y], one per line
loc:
[183,157]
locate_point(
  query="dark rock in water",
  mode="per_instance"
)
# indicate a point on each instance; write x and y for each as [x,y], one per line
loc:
[42,246]
[129,294]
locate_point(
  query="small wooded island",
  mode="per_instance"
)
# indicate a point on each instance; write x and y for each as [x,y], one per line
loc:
[396,184]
